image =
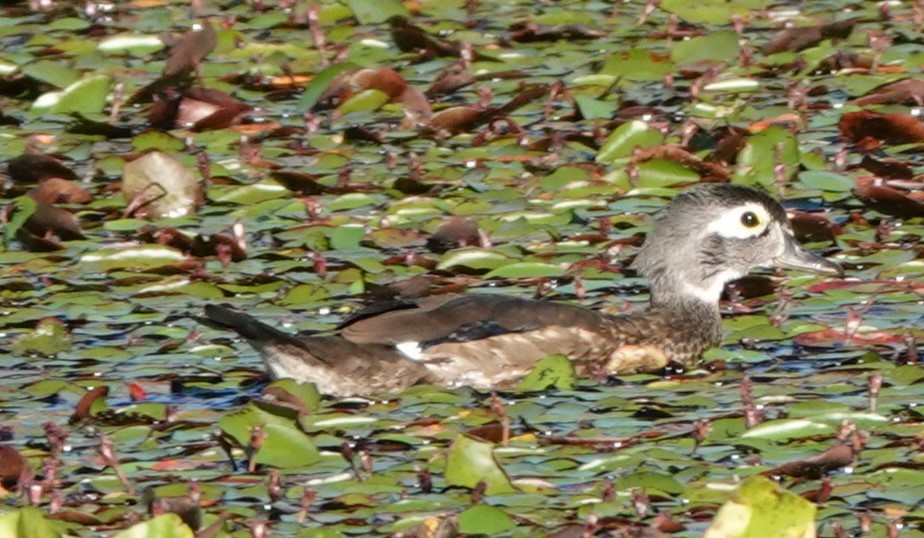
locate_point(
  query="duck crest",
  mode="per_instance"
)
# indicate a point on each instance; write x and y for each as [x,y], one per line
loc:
[705,237]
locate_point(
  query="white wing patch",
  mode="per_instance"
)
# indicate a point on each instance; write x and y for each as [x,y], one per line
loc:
[411,350]
[729,224]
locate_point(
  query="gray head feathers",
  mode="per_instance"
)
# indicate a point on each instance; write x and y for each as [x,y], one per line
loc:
[712,234]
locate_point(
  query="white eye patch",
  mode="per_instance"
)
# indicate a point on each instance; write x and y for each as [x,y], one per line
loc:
[740,222]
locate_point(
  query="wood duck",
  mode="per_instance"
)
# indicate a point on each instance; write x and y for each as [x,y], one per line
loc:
[707,236]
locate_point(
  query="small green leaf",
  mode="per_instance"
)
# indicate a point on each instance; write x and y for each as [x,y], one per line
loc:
[163,526]
[471,461]
[54,73]
[307,393]
[49,338]
[593,109]
[320,82]
[526,270]
[552,371]
[286,447]
[86,96]
[376,11]
[761,509]
[364,100]
[473,258]
[787,429]
[27,522]
[484,519]
[628,136]
[826,181]
[25,206]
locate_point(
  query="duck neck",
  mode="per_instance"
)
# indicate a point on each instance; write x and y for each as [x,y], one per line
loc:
[686,300]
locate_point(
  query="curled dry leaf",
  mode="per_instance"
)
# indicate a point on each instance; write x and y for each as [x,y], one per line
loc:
[803,37]
[157,185]
[909,91]
[46,226]
[828,338]
[464,118]
[410,288]
[203,109]
[186,53]
[449,80]
[730,143]
[836,457]
[34,168]
[411,38]
[812,227]
[889,201]
[887,168]
[12,467]
[192,48]
[383,79]
[219,245]
[890,128]
[55,189]
[82,409]
[456,231]
[459,119]
[842,60]
[300,182]
[530,32]
[707,170]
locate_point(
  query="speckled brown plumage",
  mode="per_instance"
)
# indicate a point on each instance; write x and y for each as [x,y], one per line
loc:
[706,237]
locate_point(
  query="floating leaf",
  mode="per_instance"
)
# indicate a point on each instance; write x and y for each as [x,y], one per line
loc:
[552,371]
[484,519]
[159,186]
[787,429]
[28,522]
[163,526]
[471,461]
[86,96]
[625,138]
[761,509]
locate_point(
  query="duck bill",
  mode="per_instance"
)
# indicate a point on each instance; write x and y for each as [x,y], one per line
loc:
[795,256]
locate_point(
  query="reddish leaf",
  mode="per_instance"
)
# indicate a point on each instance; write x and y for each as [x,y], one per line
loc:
[909,91]
[530,32]
[82,410]
[811,227]
[136,392]
[839,455]
[34,167]
[459,118]
[55,189]
[450,80]
[385,80]
[411,38]
[887,168]
[889,201]
[803,37]
[12,466]
[192,48]
[890,128]
[834,337]
[48,220]
[456,231]
[708,170]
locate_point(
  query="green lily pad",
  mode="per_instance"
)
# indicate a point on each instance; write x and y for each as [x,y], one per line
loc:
[553,371]
[162,526]
[471,461]
[484,519]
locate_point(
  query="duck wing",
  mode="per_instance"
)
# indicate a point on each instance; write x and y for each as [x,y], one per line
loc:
[338,366]
[464,318]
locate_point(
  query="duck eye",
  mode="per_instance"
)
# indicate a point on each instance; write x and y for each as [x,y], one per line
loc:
[749,219]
